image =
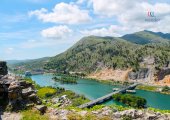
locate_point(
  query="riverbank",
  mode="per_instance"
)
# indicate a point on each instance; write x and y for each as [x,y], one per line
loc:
[152,88]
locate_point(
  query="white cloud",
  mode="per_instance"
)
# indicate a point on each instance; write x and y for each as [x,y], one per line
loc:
[56,32]
[131,14]
[112,7]
[111,31]
[63,13]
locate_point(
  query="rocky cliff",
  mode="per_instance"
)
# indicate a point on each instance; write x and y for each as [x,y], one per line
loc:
[162,73]
[15,93]
[3,68]
[141,74]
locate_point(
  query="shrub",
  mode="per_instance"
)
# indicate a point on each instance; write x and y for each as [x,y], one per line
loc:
[33,115]
[131,100]
[90,116]
[165,89]
[46,92]
[74,116]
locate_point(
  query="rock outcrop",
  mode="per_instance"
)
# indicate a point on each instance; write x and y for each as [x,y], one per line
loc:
[162,73]
[109,114]
[141,74]
[3,68]
[18,92]
[15,92]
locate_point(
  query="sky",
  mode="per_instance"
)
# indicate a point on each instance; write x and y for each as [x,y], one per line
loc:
[32,29]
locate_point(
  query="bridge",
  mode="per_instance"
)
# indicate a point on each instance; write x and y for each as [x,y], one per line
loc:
[108,96]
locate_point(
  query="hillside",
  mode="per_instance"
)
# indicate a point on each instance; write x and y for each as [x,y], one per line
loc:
[146,37]
[28,64]
[93,53]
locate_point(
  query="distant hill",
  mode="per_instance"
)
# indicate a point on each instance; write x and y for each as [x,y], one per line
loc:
[146,37]
[16,61]
[28,64]
[94,53]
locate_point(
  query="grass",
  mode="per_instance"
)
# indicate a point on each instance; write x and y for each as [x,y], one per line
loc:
[147,88]
[158,110]
[74,116]
[46,92]
[33,115]
[96,107]
[119,107]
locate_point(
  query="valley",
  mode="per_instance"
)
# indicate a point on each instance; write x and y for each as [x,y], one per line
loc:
[92,68]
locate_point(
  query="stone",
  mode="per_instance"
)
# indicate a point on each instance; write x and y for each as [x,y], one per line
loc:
[23,83]
[83,113]
[14,85]
[151,116]
[55,100]
[32,96]
[41,108]
[27,91]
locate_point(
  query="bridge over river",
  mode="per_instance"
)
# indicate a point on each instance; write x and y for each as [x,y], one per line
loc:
[108,96]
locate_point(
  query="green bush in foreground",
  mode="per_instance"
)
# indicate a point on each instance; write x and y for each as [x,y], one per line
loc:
[131,100]
[33,115]
[46,92]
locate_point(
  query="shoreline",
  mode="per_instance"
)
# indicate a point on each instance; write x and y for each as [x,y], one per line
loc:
[110,82]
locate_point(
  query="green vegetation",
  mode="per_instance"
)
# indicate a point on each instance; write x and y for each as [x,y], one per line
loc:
[76,99]
[93,53]
[65,79]
[33,115]
[147,87]
[96,107]
[119,107]
[46,92]
[74,116]
[158,110]
[166,89]
[88,116]
[130,100]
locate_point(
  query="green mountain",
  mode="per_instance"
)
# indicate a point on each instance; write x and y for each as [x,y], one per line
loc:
[28,64]
[146,37]
[93,53]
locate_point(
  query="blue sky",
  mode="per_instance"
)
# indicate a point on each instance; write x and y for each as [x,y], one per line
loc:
[38,28]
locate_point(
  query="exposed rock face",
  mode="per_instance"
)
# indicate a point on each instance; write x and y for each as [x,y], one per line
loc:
[110,74]
[3,68]
[111,113]
[18,92]
[162,73]
[141,74]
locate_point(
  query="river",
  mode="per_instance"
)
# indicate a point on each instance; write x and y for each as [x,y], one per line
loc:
[93,89]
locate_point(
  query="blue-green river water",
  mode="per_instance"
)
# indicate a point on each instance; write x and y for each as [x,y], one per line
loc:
[93,89]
